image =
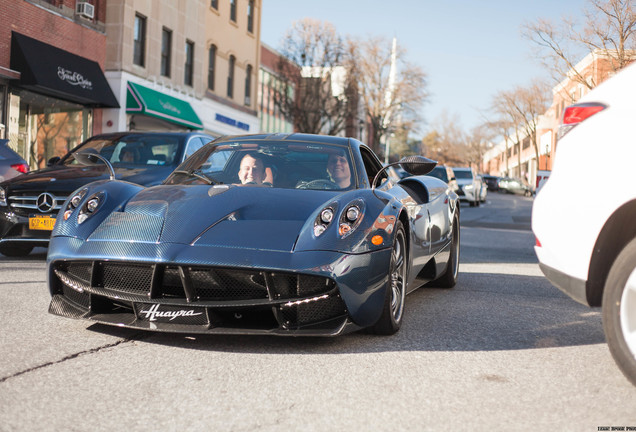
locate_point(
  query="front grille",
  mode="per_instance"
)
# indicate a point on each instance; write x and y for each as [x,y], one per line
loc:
[28,201]
[237,298]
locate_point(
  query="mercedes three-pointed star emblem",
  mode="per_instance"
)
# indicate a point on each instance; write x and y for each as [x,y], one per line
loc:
[45,202]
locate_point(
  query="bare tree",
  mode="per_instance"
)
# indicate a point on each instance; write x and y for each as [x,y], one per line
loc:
[477,142]
[390,106]
[518,112]
[446,142]
[313,81]
[609,30]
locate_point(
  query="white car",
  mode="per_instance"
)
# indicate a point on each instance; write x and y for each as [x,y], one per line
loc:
[470,186]
[586,241]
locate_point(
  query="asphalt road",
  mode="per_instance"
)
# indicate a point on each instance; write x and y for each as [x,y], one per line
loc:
[503,350]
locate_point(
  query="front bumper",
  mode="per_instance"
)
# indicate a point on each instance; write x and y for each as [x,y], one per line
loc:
[171,288]
[574,287]
[14,230]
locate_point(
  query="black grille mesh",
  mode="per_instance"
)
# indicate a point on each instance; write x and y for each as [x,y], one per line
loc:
[127,278]
[80,299]
[297,300]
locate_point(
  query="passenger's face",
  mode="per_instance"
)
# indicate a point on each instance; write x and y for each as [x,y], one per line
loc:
[338,168]
[251,170]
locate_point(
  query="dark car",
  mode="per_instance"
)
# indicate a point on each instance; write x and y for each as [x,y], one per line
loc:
[259,234]
[11,163]
[29,204]
[514,186]
[491,181]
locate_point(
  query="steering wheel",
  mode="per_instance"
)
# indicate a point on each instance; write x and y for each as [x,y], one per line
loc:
[317,184]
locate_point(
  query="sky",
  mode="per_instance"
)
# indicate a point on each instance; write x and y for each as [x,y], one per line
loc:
[469,49]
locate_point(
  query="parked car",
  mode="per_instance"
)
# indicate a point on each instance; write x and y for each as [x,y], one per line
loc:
[469,186]
[586,244]
[514,186]
[491,181]
[29,204]
[329,244]
[11,163]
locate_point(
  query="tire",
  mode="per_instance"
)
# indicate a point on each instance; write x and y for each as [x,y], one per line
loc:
[15,251]
[619,311]
[449,278]
[393,309]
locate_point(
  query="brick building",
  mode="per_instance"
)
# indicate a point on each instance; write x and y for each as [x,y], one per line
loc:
[52,85]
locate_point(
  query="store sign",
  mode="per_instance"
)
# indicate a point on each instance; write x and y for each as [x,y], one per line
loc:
[166,105]
[232,122]
[73,78]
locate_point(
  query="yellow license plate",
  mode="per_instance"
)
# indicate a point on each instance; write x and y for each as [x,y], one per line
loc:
[41,223]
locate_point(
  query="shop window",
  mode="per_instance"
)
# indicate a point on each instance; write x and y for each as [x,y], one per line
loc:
[139,43]
[189,63]
[166,51]
[230,77]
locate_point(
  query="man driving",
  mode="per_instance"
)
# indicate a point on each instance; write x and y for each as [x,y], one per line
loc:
[338,169]
[252,170]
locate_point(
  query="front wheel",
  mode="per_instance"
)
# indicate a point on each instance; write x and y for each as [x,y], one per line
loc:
[449,278]
[619,311]
[393,310]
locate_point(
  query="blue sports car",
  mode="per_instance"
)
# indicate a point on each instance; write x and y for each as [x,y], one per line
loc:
[258,234]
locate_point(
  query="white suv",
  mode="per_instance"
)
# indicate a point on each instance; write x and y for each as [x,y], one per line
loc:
[586,236]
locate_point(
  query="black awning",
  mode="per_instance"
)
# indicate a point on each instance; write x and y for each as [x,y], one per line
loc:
[52,71]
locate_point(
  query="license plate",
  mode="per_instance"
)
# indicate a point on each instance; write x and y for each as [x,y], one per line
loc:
[45,223]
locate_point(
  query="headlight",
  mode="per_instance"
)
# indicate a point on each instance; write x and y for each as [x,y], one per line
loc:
[3,197]
[324,219]
[91,206]
[351,218]
[73,203]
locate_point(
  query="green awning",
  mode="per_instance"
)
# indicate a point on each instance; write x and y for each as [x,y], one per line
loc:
[142,100]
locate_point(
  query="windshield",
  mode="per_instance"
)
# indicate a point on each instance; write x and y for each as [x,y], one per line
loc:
[463,174]
[278,165]
[440,173]
[133,151]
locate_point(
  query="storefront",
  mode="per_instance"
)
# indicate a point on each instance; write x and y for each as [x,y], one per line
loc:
[152,105]
[51,106]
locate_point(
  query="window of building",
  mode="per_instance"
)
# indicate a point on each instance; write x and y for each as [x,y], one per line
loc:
[233,10]
[250,16]
[211,66]
[214,4]
[166,51]
[189,63]
[230,77]
[248,85]
[139,43]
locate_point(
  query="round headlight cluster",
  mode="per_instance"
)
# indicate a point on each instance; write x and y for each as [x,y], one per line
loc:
[74,203]
[350,219]
[324,219]
[90,207]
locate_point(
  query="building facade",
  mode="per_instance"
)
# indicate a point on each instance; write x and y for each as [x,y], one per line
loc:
[271,119]
[516,156]
[52,85]
[183,65]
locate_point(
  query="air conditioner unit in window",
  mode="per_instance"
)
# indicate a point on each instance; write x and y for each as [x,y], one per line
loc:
[85,9]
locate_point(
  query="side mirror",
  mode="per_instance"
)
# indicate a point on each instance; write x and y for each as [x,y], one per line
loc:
[417,165]
[92,157]
[414,165]
[53,161]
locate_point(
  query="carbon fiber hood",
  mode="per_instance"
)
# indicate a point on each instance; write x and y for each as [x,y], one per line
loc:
[228,216]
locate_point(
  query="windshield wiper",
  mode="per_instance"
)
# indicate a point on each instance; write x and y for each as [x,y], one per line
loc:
[198,174]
